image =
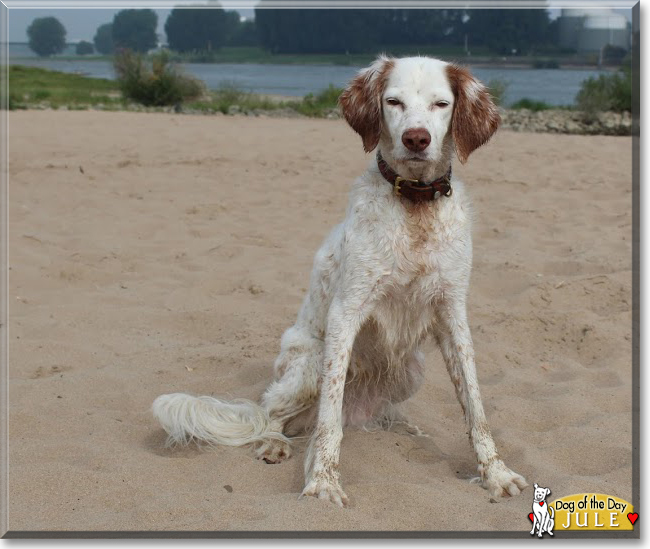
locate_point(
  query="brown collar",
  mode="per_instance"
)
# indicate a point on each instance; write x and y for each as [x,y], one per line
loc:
[413,189]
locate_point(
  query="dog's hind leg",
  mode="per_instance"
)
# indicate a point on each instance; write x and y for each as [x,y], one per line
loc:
[398,387]
[294,390]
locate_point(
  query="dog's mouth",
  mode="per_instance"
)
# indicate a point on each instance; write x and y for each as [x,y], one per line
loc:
[416,159]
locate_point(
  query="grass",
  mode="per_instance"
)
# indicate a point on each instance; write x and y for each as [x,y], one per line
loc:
[320,104]
[29,86]
[230,95]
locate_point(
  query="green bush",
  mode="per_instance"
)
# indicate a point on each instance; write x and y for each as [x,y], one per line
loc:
[157,85]
[497,90]
[611,92]
[531,104]
[318,105]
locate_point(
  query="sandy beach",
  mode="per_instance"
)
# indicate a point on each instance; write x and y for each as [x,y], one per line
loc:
[154,253]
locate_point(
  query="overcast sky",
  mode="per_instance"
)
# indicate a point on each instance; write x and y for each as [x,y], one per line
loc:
[81,24]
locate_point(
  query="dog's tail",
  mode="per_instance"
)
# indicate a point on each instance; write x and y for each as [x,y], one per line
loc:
[212,421]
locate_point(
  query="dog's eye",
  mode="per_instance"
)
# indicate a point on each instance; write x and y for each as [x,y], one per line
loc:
[442,104]
[393,101]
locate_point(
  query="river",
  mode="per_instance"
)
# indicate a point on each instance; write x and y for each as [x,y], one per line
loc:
[553,86]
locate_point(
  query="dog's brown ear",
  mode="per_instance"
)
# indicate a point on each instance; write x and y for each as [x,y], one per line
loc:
[475,117]
[361,101]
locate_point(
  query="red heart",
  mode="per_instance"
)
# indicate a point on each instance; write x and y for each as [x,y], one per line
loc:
[530,516]
[541,503]
[632,517]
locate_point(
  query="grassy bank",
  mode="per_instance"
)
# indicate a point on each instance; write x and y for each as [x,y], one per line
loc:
[31,87]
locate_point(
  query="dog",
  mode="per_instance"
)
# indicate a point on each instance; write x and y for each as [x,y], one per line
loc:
[394,273]
[543,519]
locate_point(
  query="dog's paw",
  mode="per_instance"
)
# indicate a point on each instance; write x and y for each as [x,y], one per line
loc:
[501,481]
[327,490]
[274,451]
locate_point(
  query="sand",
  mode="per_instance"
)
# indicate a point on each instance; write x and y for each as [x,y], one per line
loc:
[153,253]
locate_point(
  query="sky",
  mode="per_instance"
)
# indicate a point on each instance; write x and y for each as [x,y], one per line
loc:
[81,24]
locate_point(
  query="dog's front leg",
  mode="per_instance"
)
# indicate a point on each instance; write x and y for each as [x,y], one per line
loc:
[322,476]
[535,523]
[457,349]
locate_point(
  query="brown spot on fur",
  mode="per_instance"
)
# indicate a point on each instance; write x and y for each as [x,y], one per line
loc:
[418,226]
[361,102]
[475,117]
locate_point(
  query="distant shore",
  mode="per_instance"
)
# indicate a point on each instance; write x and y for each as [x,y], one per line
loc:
[256,55]
[281,60]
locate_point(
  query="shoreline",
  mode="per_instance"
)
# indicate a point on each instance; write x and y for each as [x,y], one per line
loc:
[553,121]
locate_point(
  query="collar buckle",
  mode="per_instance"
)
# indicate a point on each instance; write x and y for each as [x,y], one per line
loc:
[399,180]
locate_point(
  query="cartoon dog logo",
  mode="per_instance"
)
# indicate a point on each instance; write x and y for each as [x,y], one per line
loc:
[542,515]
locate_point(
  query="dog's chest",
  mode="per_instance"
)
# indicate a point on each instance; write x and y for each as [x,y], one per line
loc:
[404,311]
[425,255]
[426,241]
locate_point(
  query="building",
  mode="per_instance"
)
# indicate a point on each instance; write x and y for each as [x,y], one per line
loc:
[589,30]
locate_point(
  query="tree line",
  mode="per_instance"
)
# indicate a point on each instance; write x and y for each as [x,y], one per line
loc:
[500,31]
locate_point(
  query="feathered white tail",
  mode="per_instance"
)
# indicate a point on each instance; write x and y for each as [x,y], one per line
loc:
[212,421]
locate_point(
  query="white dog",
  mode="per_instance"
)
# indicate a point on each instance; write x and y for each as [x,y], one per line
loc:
[395,272]
[543,518]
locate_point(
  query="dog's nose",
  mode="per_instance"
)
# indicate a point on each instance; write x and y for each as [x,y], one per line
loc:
[416,139]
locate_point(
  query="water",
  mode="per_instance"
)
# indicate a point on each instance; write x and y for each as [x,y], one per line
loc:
[553,86]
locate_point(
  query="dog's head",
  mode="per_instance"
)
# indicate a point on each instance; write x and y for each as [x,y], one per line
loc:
[417,110]
[540,493]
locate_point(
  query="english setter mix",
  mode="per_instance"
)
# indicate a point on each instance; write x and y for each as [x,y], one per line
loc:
[394,272]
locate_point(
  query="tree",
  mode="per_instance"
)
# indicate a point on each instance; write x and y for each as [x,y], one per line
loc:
[46,36]
[422,27]
[135,30]
[84,48]
[318,30]
[508,31]
[196,29]
[104,39]
[245,34]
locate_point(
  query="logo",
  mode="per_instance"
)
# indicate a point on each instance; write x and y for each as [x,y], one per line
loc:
[580,512]
[542,515]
